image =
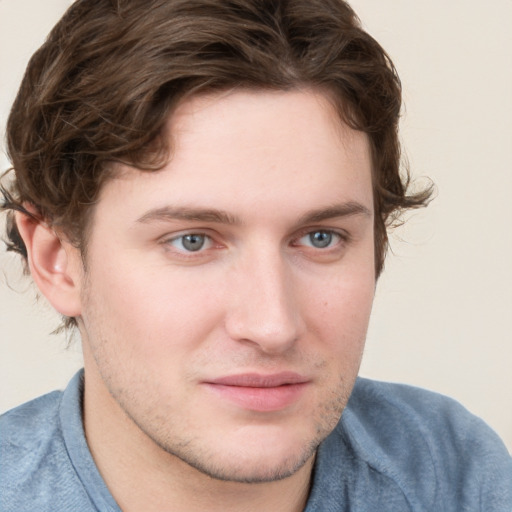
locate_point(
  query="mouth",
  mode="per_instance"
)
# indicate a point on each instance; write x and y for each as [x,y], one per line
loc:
[258,392]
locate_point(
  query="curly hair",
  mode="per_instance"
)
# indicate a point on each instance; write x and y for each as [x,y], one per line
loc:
[102,86]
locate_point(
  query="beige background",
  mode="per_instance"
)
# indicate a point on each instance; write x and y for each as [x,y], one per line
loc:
[443,312]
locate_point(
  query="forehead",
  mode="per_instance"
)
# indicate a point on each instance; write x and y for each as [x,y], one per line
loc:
[275,124]
[253,151]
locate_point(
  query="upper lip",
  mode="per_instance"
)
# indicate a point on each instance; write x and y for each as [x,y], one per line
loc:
[257,380]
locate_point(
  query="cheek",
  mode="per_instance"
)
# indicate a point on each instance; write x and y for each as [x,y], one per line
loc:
[339,313]
[149,307]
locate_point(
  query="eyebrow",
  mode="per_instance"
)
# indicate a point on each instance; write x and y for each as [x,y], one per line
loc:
[192,214]
[331,212]
[170,213]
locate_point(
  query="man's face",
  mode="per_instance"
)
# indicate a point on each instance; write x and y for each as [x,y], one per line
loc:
[227,296]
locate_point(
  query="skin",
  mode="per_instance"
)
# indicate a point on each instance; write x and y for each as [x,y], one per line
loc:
[160,324]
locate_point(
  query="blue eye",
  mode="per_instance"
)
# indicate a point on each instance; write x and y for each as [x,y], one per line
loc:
[192,242]
[320,239]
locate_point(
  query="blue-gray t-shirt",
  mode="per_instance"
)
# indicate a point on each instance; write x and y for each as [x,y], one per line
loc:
[396,448]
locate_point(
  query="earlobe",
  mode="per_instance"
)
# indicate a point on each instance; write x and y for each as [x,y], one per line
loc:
[53,264]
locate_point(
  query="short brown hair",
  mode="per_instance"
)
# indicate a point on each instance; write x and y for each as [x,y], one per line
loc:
[102,86]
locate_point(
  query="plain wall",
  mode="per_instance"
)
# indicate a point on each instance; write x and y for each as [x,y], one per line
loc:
[443,311]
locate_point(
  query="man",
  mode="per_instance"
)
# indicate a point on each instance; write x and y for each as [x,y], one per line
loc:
[202,188]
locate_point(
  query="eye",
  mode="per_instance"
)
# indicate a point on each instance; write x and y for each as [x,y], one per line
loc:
[320,239]
[191,242]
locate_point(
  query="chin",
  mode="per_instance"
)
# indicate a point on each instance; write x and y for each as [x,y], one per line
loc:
[251,468]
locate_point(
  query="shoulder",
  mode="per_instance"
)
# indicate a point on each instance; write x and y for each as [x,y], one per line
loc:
[398,413]
[36,472]
[29,416]
[28,433]
[428,445]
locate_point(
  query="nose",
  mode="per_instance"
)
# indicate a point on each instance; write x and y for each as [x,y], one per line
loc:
[263,308]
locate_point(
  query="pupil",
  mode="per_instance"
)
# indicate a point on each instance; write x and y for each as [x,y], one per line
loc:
[193,242]
[320,239]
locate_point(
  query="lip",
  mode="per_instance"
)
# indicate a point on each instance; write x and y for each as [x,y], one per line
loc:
[259,392]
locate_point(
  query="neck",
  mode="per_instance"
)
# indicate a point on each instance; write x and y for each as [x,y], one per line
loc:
[142,476]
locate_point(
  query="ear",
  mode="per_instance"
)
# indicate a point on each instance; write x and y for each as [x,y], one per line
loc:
[54,263]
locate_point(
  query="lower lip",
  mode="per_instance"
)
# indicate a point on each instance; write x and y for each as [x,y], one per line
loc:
[260,399]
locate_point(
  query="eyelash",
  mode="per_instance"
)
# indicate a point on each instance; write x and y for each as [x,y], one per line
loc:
[183,251]
[338,237]
[335,236]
